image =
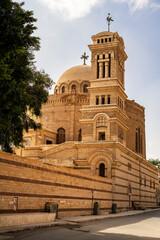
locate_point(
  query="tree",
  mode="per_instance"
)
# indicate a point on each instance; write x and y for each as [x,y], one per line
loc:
[22,87]
[155,162]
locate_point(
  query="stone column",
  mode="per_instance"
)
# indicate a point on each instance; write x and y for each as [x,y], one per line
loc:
[106,69]
[101,70]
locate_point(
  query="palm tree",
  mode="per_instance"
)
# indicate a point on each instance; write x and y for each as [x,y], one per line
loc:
[155,162]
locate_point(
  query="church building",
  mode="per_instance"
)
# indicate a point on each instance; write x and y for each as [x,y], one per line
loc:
[90,125]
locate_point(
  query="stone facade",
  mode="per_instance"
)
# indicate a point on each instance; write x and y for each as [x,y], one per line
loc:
[90,125]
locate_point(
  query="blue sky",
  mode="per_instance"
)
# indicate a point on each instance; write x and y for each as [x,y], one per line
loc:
[66,26]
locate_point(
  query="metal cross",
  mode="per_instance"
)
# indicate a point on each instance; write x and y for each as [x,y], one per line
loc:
[109,19]
[85,57]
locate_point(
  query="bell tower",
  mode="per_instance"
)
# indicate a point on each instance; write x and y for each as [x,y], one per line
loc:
[108,57]
[105,117]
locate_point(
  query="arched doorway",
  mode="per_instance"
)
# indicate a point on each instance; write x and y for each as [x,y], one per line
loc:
[60,135]
[102,170]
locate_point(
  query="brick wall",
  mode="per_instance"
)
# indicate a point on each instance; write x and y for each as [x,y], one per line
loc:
[35,183]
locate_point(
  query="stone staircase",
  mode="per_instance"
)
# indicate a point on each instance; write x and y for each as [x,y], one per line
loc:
[81,164]
[64,154]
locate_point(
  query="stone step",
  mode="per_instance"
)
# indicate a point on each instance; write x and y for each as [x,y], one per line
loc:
[81,162]
[81,167]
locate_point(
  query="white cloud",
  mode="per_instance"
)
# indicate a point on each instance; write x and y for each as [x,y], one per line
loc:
[135,5]
[72,9]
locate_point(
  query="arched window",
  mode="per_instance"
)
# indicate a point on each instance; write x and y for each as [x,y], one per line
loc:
[60,135]
[102,170]
[80,135]
[73,87]
[138,141]
[101,122]
[63,89]
[85,90]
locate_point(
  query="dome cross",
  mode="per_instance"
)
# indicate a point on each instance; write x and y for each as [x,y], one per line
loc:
[84,57]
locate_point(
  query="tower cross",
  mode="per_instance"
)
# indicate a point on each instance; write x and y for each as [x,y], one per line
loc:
[109,19]
[84,57]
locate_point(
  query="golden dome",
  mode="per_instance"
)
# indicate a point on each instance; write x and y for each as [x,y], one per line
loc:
[81,72]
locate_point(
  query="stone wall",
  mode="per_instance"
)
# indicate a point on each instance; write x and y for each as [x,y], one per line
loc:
[134,180]
[136,120]
[26,185]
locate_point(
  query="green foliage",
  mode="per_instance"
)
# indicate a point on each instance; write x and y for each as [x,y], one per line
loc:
[155,162]
[22,87]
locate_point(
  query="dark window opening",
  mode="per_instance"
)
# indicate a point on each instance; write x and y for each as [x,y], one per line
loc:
[98,41]
[139,140]
[136,142]
[120,135]
[154,185]
[60,135]
[85,90]
[105,39]
[101,136]
[97,100]
[97,66]
[109,39]
[108,99]
[73,87]
[141,144]
[63,89]
[101,40]
[103,69]
[103,56]
[48,142]
[129,166]
[145,181]
[103,100]
[102,170]
[150,183]
[109,70]
[80,135]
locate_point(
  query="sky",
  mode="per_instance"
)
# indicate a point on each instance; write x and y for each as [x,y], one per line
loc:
[65,28]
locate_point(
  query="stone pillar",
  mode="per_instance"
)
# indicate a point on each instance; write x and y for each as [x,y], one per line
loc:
[106,69]
[101,70]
